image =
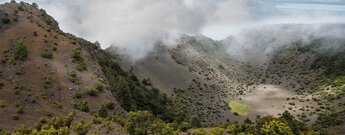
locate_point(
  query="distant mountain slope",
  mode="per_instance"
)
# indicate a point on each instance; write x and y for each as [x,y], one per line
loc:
[199,73]
[204,76]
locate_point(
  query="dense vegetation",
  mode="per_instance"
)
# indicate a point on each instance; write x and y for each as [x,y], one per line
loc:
[327,81]
[131,94]
[20,51]
[267,125]
[78,59]
[330,59]
[333,117]
[46,126]
[17,52]
[143,122]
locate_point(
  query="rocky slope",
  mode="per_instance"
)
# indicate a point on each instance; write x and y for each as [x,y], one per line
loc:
[52,82]
[46,72]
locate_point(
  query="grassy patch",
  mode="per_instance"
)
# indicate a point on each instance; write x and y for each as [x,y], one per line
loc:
[79,60]
[239,108]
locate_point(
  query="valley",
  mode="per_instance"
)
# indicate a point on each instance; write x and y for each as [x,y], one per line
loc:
[216,79]
[52,82]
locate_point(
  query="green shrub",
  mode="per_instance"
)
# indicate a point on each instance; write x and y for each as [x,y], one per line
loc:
[146,82]
[107,126]
[139,122]
[78,60]
[94,90]
[17,104]
[44,126]
[48,80]
[63,131]
[77,95]
[2,104]
[81,106]
[18,87]
[102,112]
[20,110]
[110,105]
[81,128]
[35,34]
[97,120]
[91,91]
[143,122]
[15,117]
[198,132]
[119,119]
[332,118]
[72,76]
[99,87]
[195,122]
[18,71]
[4,132]
[80,67]
[23,130]
[47,54]
[20,51]
[48,113]
[216,131]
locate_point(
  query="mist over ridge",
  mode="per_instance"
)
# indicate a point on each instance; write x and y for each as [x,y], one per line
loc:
[195,67]
[134,26]
[257,44]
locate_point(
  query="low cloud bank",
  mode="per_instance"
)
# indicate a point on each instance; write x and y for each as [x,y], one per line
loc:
[257,44]
[134,26]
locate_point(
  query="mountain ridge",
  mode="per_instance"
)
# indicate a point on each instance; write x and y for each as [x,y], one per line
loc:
[54,82]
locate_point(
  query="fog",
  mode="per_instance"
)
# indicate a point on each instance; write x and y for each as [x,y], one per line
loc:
[258,43]
[134,26]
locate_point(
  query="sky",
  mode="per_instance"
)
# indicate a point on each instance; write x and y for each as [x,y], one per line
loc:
[284,11]
[135,25]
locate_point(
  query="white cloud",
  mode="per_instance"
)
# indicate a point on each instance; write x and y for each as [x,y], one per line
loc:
[258,43]
[135,25]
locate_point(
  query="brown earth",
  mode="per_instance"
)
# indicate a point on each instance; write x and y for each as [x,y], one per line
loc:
[40,33]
